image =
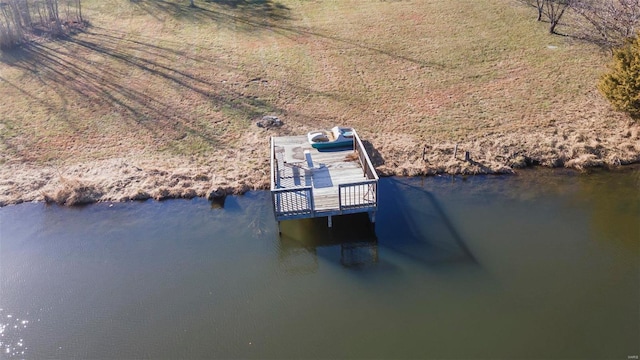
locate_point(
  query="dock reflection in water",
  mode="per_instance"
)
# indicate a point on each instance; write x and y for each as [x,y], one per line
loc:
[353,234]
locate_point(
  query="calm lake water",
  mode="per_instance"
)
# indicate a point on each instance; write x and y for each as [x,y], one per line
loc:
[538,265]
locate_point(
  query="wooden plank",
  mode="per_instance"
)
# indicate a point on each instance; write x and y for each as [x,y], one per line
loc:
[324,171]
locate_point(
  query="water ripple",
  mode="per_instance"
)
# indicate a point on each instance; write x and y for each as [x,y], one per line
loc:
[12,344]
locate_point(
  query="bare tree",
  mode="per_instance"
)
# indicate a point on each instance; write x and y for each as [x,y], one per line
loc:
[11,29]
[55,26]
[18,18]
[79,12]
[608,23]
[554,10]
[24,11]
[550,10]
[540,6]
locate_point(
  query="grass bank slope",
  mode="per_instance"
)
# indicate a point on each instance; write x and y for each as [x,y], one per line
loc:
[157,99]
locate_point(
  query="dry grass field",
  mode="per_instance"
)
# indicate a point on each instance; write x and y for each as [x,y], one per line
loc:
[157,99]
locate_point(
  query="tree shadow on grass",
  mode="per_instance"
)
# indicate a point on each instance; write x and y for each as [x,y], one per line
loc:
[263,8]
[94,69]
[262,15]
[221,12]
[69,67]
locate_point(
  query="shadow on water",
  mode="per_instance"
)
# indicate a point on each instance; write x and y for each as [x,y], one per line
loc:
[228,203]
[413,223]
[300,241]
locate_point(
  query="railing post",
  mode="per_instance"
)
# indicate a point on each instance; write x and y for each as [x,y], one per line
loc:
[272,162]
[376,191]
[367,166]
[311,202]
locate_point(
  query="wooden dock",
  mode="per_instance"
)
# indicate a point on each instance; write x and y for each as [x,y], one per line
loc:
[308,183]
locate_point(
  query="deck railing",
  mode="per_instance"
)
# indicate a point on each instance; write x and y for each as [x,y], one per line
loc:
[276,164]
[297,202]
[367,166]
[274,169]
[293,203]
[358,196]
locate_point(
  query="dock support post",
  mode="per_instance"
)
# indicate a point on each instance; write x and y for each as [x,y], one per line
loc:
[372,219]
[279,229]
[329,220]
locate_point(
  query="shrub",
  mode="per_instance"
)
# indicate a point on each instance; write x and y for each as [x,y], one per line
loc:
[621,85]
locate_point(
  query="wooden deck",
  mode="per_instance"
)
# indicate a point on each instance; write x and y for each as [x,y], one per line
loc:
[306,182]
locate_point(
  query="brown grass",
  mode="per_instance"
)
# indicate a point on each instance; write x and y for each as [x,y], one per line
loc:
[159,100]
[73,192]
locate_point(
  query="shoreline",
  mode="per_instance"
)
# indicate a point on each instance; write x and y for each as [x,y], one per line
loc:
[146,103]
[141,178]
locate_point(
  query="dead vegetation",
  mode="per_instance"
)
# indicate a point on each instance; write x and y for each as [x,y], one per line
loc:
[73,192]
[165,104]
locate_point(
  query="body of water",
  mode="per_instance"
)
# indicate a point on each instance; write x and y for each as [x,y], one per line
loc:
[538,265]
